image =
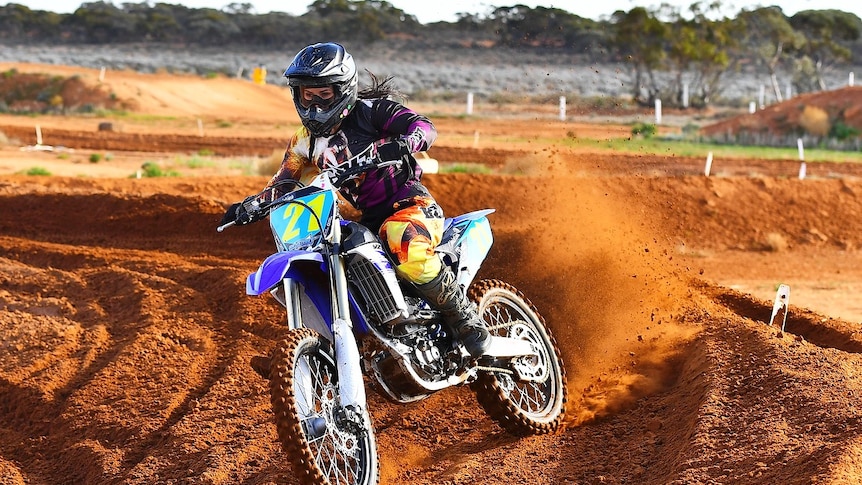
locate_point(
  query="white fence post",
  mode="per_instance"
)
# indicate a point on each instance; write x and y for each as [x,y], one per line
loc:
[802,167]
[708,166]
[562,108]
[752,107]
[658,111]
[850,80]
[685,95]
[469,103]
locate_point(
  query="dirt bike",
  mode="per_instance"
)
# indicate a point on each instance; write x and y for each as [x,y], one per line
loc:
[349,316]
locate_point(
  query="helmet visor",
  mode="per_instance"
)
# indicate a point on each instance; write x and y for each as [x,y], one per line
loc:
[321,96]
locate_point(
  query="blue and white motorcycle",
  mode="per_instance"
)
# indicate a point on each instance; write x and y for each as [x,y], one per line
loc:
[348,316]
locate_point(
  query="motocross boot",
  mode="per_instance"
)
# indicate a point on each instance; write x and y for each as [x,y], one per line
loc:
[459,313]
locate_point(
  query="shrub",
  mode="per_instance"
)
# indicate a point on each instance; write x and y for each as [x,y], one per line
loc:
[645,130]
[95,158]
[841,131]
[38,171]
[814,120]
[150,169]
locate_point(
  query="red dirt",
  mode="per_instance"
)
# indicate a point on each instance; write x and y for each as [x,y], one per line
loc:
[788,118]
[126,334]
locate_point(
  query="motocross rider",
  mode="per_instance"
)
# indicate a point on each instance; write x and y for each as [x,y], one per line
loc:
[338,122]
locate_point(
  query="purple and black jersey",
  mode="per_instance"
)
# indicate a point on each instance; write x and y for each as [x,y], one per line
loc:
[371,121]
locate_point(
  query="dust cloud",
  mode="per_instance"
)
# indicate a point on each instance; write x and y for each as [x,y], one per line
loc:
[609,292]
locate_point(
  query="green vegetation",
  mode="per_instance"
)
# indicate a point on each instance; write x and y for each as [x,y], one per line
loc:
[95,158]
[686,148]
[150,169]
[477,168]
[196,162]
[38,171]
[646,130]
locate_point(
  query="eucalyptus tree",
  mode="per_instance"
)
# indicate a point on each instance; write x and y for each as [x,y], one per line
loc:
[769,37]
[828,34]
[699,45]
[640,38]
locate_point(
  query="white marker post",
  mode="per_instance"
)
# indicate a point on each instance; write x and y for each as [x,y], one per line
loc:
[562,108]
[708,166]
[38,135]
[658,111]
[801,158]
[850,80]
[469,103]
[685,95]
[102,74]
[762,96]
[782,299]
[752,107]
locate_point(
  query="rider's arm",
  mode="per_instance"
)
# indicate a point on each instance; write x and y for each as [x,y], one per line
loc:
[296,163]
[411,131]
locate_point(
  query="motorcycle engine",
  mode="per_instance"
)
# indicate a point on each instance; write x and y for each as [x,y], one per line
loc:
[427,348]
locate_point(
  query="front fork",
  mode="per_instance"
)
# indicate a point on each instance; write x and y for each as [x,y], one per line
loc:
[351,387]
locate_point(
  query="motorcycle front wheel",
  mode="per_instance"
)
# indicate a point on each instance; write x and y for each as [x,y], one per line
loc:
[532,398]
[323,447]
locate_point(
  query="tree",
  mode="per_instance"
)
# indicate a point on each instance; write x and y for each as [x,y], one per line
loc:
[771,38]
[640,37]
[540,26]
[18,21]
[363,19]
[828,34]
[699,45]
[102,22]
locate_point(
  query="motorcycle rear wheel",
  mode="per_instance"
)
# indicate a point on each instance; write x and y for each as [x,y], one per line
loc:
[304,397]
[521,407]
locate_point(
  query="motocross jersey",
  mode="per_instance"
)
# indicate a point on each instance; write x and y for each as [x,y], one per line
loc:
[376,192]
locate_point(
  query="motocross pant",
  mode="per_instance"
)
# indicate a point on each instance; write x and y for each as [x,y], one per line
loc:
[411,235]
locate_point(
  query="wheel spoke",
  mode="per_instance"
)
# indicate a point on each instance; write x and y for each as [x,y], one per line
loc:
[504,318]
[324,448]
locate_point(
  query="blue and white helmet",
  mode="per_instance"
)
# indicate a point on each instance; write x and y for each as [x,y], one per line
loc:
[323,65]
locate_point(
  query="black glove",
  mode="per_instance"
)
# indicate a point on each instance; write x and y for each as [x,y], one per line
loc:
[242,213]
[230,215]
[393,150]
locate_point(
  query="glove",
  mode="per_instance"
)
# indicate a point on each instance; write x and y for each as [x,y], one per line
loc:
[230,215]
[393,150]
[242,213]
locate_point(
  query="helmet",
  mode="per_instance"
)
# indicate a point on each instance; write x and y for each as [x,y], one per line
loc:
[318,66]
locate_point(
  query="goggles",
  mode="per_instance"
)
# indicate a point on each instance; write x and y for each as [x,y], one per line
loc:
[322,96]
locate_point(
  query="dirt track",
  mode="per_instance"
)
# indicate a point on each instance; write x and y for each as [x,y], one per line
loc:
[126,335]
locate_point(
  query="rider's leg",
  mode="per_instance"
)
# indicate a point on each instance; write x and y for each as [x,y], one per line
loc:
[411,236]
[459,313]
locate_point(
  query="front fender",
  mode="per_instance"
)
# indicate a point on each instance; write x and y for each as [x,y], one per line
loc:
[275,268]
